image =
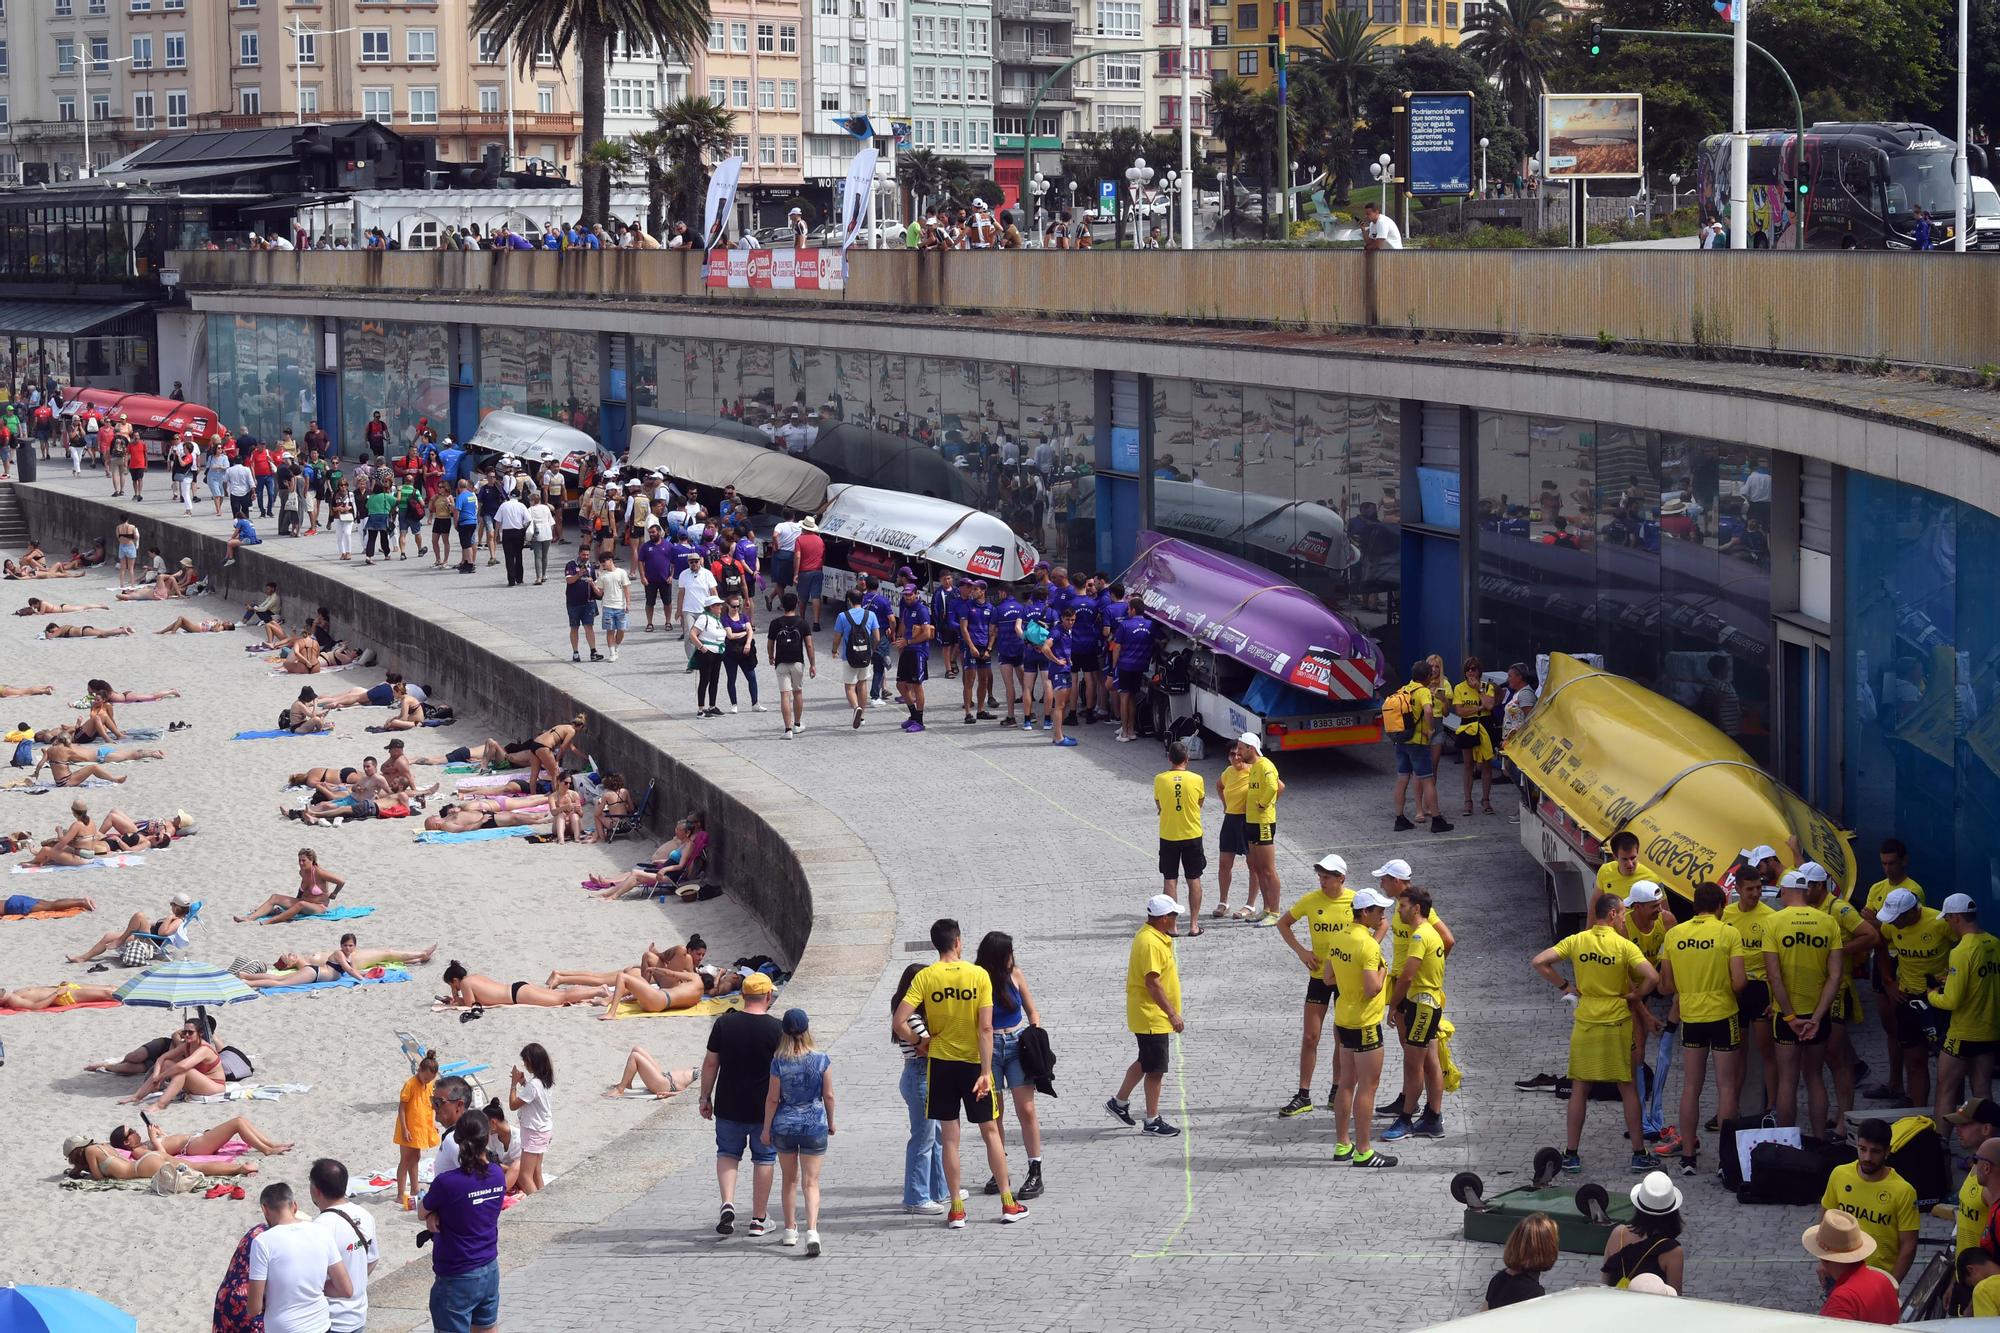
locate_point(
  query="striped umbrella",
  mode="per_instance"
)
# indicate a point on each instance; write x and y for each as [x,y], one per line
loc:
[184,985]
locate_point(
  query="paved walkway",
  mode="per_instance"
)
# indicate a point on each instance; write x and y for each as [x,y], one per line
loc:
[1244,1218]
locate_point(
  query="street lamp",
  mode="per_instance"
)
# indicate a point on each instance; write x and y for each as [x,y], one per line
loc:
[1674,192]
[1138,176]
[299,33]
[1483,141]
[1170,191]
[1039,187]
[86,59]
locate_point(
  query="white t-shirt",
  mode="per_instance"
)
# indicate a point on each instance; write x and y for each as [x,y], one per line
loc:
[785,537]
[1514,715]
[292,1262]
[351,1314]
[697,586]
[535,1116]
[1385,230]
[612,586]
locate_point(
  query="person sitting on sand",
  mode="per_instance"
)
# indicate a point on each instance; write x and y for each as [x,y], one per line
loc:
[99,724]
[363,801]
[20,904]
[317,889]
[409,713]
[62,995]
[24,691]
[457,818]
[302,716]
[192,1068]
[143,1059]
[101,689]
[304,656]
[164,927]
[351,958]
[206,1143]
[54,630]
[662,1083]
[34,557]
[91,1160]
[614,802]
[16,570]
[189,625]
[396,772]
[655,874]
[37,607]
[565,812]
[470,989]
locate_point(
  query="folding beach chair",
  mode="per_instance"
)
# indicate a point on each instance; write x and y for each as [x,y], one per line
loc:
[414,1051]
[164,946]
[625,826]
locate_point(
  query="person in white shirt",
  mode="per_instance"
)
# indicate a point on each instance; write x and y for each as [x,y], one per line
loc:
[352,1228]
[696,585]
[541,532]
[614,592]
[279,241]
[784,558]
[1380,229]
[528,1097]
[294,1267]
[512,520]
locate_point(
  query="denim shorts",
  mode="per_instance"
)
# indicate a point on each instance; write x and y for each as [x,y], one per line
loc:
[806,1145]
[581,614]
[465,1301]
[1007,1071]
[1415,760]
[614,617]
[733,1136]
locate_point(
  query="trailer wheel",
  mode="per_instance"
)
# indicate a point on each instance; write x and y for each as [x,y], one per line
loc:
[1159,714]
[1562,923]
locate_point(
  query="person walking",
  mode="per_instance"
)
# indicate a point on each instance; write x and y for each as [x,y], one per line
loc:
[792,660]
[614,592]
[465,513]
[1178,795]
[512,520]
[1152,1012]
[541,533]
[294,1267]
[462,1211]
[1611,974]
[580,600]
[856,634]
[735,1080]
[798,1121]
[1014,1013]
[739,645]
[957,999]
[381,506]
[353,1230]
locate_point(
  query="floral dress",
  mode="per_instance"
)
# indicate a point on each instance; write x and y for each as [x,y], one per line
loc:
[232,1298]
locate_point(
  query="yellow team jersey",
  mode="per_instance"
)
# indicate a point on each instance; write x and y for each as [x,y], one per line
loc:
[1750,928]
[1324,918]
[1605,964]
[1969,1222]
[1650,941]
[1699,952]
[1986,1299]
[1884,1208]
[1427,948]
[1399,934]
[951,996]
[1848,918]
[1971,990]
[1610,879]
[1235,787]
[1152,951]
[1354,951]
[1922,949]
[1260,800]
[1803,940]
[1179,794]
[1880,890]
[1420,730]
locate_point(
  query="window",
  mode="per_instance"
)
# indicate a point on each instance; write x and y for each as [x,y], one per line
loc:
[739,38]
[788,95]
[378,104]
[829,99]
[857,54]
[948,34]
[978,34]
[829,9]
[97,6]
[1246,61]
[489,98]
[489,47]
[250,101]
[1416,11]
[177,109]
[889,104]
[1451,13]
[885,9]
[307,42]
[675,87]
[1311,13]
[545,99]
[545,54]
[1385,12]
[246,47]
[767,94]
[374,46]
[309,100]
[949,89]
[629,97]
[739,94]
[173,4]
[100,106]
[64,9]
[767,150]
[767,38]
[142,53]
[887,56]
[979,84]
[718,91]
[1116,116]
[717,35]
[1246,18]
[924,81]
[951,133]
[65,55]
[177,52]
[3,58]
[66,107]
[788,150]
[423,106]
[141,6]
[829,53]
[923,31]
[1119,18]
[1121,70]
[739,146]
[421,44]
[1219,35]
[788,39]
[3,112]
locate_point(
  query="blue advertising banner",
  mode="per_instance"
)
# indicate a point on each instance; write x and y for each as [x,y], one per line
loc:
[1441,142]
[1437,490]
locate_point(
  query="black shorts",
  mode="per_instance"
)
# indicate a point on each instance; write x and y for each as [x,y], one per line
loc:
[1962,1049]
[1182,857]
[1781,1033]
[1359,1039]
[1420,1022]
[1753,1001]
[911,668]
[1261,835]
[158,1047]
[947,636]
[440,528]
[1154,1048]
[1916,1023]
[1235,836]
[462,755]
[1320,991]
[1722,1034]
[948,1088]
[1130,682]
[1846,1005]
[1086,659]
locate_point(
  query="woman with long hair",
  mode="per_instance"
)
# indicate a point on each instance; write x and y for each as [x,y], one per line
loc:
[528,1098]
[462,1210]
[924,1188]
[1014,1013]
[798,1121]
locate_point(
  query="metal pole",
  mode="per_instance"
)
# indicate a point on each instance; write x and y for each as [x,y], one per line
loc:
[1185,203]
[84,70]
[512,74]
[298,71]
[1739,136]
[1284,129]
[1961,178]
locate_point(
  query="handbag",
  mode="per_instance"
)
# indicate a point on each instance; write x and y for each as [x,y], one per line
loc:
[138,952]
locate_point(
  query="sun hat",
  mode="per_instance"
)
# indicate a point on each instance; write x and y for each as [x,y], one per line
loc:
[1396,869]
[1656,1194]
[75,1141]
[1650,1284]
[186,563]
[1367,898]
[1642,891]
[1959,904]
[183,820]
[1838,1237]
[1332,864]
[1161,905]
[757,983]
[1896,903]
[809,523]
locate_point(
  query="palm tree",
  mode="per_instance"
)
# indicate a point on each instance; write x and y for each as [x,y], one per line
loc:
[1514,41]
[1230,115]
[648,150]
[587,27]
[1350,50]
[691,129]
[604,158]
[923,173]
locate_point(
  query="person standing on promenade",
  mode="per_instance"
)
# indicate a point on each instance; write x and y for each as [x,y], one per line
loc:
[614,591]
[792,660]
[512,519]
[924,1188]
[353,1230]
[1152,1012]
[1260,819]
[735,1076]
[294,1268]
[1611,976]
[1178,795]
[1327,911]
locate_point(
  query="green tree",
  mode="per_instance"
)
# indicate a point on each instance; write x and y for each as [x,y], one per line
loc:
[691,130]
[649,150]
[586,28]
[1427,66]
[1514,42]
[925,175]
[1347,64]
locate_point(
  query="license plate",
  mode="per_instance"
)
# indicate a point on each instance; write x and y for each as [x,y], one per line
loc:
[1328,724]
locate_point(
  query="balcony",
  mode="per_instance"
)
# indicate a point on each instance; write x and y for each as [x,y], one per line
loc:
[448,122]
[1035,9]
[1035,53]
[1057,97]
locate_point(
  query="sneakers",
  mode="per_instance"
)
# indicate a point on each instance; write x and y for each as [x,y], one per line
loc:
[1269,919]
[1031,1188]
[1377,1160]
[727,1225]
[1159,1127]
[791,1236]
[1014,1212]
[955,1220]
[1403,825]
[732,708]
[596,656]
[760,1226]
[1667,1142]
[812,1243]
[1071,740]
[759,708]
[1343,1152]
[1688,1165]
[1641,1163]
[971,721]
[1120,1111]
[1430,1125]
[1394,1109]
[1300,1103]
[1440,825]
[612,654]
[1403,1128]
[916,727]
[929,1208]
[985,716]
[1572,1163]
[1029,725]
[859,713]
[788,733]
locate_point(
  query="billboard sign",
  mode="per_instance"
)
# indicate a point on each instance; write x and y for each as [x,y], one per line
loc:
[1441,142]
[1592,136]
[808,270]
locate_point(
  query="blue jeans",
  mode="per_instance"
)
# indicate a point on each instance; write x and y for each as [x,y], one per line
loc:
[735,664]
[733,1136]
[267,494]
[923,1158]
[881,669]
[465,1301]
[1007,1072]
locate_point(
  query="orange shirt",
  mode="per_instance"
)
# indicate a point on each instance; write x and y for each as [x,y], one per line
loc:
[416,1122]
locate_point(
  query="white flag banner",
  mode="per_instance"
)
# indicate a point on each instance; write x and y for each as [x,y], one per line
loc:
[721,201]
[854,203]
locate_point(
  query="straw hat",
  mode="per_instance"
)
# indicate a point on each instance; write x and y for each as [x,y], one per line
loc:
[183,820]
[1656,1194]
[1838,1238]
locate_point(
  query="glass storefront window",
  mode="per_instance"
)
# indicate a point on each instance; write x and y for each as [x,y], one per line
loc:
[402,371]
[551,373]
[261,373]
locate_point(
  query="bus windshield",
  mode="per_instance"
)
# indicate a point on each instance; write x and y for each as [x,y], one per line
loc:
[1920,180]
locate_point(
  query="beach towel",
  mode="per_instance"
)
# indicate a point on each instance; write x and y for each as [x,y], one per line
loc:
[342,982]
[340,913]
[274,735]
[427,722]
[503,774]
[702,1009]
[477,834]
[44,788]
[142,734]
[88,1004]
[117,862]
[45,914]
[492,781]
[246,1092]
[323,671]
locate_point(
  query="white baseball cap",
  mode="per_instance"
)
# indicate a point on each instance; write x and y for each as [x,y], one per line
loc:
[1643,891]
[1161,905]
[1396,869]
[1332,863]
[1815,873]
[1253,740]
[1959,904]
[1761,853]
[1367,898]
[1791,879]
[1898,902]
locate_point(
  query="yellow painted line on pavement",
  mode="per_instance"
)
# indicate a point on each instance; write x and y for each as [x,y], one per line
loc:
[1187,1157]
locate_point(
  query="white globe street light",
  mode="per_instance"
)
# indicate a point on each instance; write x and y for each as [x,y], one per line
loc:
[1483,141]
[1039,187]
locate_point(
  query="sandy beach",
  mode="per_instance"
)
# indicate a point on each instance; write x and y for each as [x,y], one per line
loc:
[508,909]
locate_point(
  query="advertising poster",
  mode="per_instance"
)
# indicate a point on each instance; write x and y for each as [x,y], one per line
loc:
[1591,137]
[1441,143]
[777,270]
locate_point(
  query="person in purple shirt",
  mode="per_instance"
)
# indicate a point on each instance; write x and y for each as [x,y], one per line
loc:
[1055,652]
[944,603]
[656,569]
[884,611]
[1087,653]
[1134,641]
[913,630]
[462,1211]
[976,635]
[1007,648]
[746,549]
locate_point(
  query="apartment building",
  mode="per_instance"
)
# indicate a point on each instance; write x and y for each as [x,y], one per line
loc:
[1130,83]
[951,92]
[857,67]
[1401,22]
[57,67]
[638,79]
[752,64]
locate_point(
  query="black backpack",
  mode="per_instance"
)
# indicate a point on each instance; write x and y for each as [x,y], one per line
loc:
[858,653]
[788,642]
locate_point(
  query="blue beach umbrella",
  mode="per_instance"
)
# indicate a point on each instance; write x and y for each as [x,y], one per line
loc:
[59,1310]
[183,985]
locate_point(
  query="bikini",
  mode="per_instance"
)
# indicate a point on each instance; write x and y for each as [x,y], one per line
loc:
[515,994]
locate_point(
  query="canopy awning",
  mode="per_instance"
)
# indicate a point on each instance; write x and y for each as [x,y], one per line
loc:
[869,457]
[923,527]
[61,319]
[757,471]
[519,435]
[146,411]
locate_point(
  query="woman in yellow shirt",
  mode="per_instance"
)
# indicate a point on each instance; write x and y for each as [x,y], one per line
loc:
[1473,702]
[1235,840]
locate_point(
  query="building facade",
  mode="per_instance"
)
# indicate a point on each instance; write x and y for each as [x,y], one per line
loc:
[1400,22]
[753,65]
[639,79]
[1130,83]
[858,66]
[951,92]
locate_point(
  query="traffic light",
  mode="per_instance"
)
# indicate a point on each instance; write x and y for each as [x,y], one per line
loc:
[1596,36]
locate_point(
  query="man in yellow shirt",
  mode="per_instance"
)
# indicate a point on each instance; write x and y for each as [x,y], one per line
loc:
[957,999]
[1417,1000]
[1980,1272]
[1622,871]
[1749,914]
[1802,962]
[1881,1201]
[1612,979]
[1235,840]
[1178,795]
[1895,859]
[1971,995]
[1392,881]
[1415,764]
[1354,967]
[1919,944]
[1858,941]
[1701,967]
[1152,1012]
[1260,823]
[1327,911]
[1974,1124]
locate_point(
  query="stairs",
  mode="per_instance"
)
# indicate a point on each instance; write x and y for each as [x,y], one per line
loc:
[13,520]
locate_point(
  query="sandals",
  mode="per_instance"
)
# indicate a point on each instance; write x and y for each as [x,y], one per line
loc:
[1221,910]
[1247,914]
[1488,807]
